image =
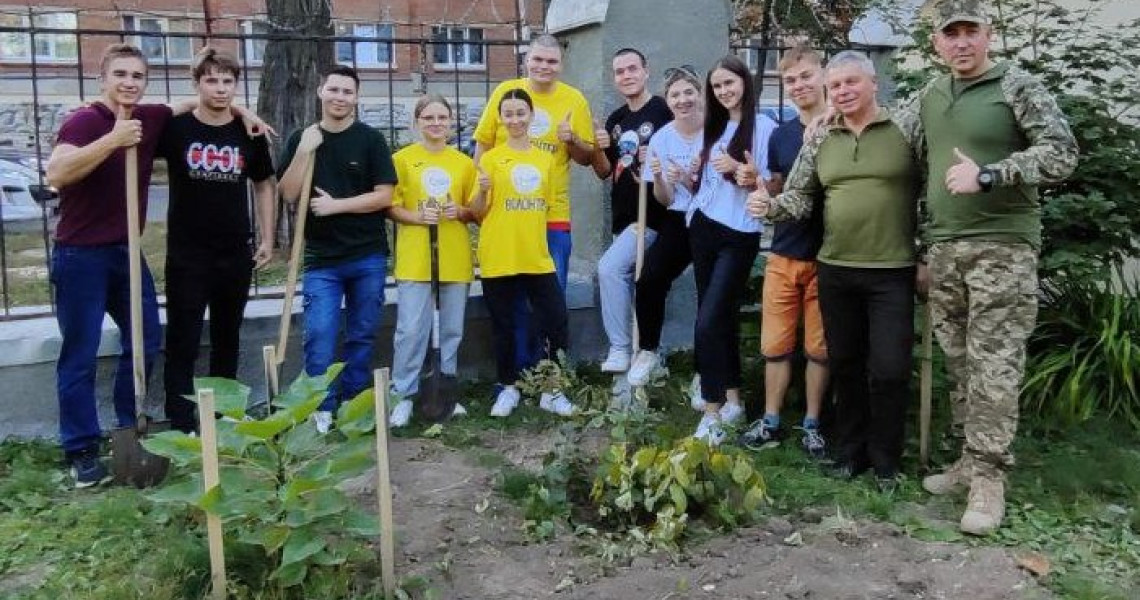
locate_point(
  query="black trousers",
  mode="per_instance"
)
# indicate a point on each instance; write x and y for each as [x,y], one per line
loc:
[868,320]
[665,259]
[548,315]
[722,260]
[221,284]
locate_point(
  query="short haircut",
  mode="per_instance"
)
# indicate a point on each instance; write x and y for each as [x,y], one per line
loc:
[344,71]
[116,51]
[427,99]
[798,53]
[211,59]
[683,73]
[852,57]
[634,51]
[545,40]
[516,94]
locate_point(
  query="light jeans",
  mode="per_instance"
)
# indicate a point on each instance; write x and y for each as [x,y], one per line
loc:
[413,331]
[616,286]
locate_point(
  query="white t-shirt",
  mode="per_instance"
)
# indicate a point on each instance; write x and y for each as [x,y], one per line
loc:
[669,145]
[723,201]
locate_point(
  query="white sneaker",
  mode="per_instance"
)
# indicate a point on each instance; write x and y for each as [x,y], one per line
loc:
[459,411]
[505,402]
[695,399]
[323,420]
[731,413]
[709,430]
[401,414]
[644,363]
[556,403]
[617,361]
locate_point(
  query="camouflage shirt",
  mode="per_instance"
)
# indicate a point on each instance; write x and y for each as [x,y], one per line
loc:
[1005,120]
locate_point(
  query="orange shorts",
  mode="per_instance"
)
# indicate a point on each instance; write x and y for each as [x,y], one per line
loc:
[791,289]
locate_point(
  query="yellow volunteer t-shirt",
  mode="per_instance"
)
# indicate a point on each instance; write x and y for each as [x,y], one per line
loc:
[512,239]
[424,174]
[549,111]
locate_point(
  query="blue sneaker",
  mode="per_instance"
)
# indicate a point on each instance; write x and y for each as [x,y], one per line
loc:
[88,470]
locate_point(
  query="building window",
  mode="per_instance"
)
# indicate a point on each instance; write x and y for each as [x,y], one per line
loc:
[49,47]
[161,48]
[458,47]
[751,56]
[255,47]
[361,52]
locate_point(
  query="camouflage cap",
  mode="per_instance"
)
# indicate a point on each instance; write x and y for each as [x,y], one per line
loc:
[948,12]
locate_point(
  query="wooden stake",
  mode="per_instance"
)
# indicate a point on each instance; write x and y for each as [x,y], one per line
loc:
[295,262]
[269,358]
[384,483]
[926,392]
[210,479]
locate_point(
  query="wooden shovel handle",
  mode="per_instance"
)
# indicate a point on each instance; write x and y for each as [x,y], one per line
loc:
[926,391]
[295,261]
[134,251]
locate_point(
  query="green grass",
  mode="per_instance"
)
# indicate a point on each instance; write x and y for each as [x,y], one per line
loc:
[1073,497]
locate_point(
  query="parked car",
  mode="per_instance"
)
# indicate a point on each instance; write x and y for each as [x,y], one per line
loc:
[33,181]
[24,158]
[19,208]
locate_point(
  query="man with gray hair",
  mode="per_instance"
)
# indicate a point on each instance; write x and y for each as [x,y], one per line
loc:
[864,175]
[992,134]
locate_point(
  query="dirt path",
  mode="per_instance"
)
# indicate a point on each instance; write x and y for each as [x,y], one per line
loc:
[455,530]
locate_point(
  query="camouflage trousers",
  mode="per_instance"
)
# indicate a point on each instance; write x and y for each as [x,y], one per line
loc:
[983,299]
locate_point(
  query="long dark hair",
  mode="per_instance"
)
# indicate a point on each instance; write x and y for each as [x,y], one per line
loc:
[717,117]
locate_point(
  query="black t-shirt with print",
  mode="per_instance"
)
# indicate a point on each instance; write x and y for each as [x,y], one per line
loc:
[636,127]
[209,166]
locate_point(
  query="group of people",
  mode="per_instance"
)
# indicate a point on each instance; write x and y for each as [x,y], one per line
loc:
[871,205]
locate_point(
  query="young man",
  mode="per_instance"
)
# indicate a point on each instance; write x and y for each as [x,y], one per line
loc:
[866,262]
[90,258]
[346,249]
[209,260]
[993,134]
[791,289]
[563,127]
[626,133]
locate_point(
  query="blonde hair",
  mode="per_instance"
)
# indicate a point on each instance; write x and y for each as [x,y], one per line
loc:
[798,53]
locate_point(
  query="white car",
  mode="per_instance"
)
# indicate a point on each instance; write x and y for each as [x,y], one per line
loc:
[18,207]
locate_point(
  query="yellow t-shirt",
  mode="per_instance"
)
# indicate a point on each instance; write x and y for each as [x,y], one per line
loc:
[512,239]
[424,174]
[549,110]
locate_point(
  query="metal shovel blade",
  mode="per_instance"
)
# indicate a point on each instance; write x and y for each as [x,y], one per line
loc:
[439,394]
[131,464]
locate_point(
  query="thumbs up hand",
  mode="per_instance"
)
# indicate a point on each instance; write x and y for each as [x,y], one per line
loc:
[601,137]
[746,172]
[484,181]
[962,176]
[127,131]
[758,203]
[565,133]
[721,161]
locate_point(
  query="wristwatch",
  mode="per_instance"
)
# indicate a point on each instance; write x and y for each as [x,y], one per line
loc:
[986,179]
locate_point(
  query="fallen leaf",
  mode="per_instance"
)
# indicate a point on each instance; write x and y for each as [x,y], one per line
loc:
[481,506]
[795,539]
[1035,563]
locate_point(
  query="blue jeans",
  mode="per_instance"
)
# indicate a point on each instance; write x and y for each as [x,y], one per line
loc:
[528,346]
[91,281]
[359,284]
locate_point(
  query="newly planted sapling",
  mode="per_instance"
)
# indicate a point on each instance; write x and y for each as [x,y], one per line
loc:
[279,476]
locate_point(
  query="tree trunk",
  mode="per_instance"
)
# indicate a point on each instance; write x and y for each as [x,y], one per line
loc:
[291,69]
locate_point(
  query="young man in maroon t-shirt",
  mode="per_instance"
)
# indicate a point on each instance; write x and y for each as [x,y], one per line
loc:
[89,269]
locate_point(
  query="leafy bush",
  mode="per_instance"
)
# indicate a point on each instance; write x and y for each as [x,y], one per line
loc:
[1084,357]
[278,481]
[657,488]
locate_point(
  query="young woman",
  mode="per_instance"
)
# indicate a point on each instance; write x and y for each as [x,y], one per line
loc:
[435,181]
[724,238]
[512,199]
[672,158]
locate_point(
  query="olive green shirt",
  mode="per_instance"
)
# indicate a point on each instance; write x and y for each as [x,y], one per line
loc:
[869,183]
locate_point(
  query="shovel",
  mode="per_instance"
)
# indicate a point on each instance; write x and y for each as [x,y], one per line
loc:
[926,389]
[294,265]
[130,462]
[437,389]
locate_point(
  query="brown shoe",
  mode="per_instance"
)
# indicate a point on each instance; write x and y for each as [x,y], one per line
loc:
[954,478]
[986,506]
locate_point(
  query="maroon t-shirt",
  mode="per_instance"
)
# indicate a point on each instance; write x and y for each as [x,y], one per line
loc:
[93,210]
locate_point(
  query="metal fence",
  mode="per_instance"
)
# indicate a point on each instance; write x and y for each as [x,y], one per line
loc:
[465,71]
